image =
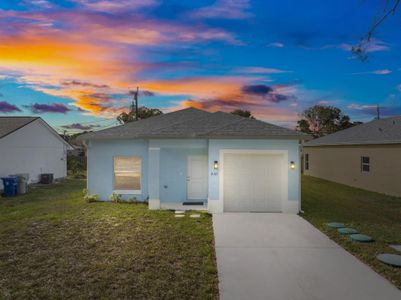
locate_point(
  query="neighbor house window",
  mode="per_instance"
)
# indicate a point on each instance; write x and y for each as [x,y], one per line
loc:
[127,173]
[306,161]
[365,164]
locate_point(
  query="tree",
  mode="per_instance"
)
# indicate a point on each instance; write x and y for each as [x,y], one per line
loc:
[320,120]
[243,113]
[360,50]
[143,113]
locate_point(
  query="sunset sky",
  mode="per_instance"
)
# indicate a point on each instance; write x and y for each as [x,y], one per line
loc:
[73,62]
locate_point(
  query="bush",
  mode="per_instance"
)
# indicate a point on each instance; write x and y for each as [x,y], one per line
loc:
[76,167]
[133,200]
[116,198]
[90,198]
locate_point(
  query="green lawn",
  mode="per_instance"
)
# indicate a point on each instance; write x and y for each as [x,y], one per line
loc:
[371,213]
[53,245]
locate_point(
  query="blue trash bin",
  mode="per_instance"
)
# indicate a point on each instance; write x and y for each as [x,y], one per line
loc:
[10,184]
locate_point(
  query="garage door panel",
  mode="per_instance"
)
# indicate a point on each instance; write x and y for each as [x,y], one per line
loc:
[253,182]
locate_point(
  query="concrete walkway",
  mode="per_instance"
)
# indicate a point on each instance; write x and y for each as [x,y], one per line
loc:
[283,257]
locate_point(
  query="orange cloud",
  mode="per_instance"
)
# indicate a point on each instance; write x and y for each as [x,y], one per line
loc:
[203,87]
[101,50]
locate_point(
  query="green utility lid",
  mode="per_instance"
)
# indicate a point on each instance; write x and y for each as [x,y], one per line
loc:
[390,259]
[361,238]
[347,230]
[335,225]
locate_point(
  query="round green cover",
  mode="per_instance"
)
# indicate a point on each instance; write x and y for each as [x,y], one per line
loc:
[335,225]
[390,259]
[347,230]
[361,238]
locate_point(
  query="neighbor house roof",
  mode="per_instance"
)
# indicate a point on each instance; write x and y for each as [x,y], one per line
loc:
[195,123]
[383,131]
[10,124]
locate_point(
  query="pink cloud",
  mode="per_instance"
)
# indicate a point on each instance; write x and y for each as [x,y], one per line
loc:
[260,70]
[225,9]
[276,45]
[79,126]
[115,6]
[6,107]
[92,52]
[361,107]
[375,72]
[374,45]
[49,108]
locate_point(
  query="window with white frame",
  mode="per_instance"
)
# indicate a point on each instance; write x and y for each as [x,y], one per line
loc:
[127,174]
[365,164]
[306,161]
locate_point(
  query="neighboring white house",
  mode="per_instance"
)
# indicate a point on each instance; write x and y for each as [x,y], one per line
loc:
[192,157]
[29,145]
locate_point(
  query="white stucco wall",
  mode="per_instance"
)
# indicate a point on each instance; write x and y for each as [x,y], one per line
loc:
[33,149]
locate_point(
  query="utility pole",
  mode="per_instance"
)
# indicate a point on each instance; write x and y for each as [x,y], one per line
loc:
[134,104]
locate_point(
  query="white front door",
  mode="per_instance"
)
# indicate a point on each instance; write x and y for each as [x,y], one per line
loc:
[197,178]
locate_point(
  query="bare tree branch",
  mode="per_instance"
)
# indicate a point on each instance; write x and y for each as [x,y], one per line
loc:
[360,50]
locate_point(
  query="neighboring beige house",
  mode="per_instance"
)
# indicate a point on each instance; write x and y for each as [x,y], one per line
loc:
[366,156]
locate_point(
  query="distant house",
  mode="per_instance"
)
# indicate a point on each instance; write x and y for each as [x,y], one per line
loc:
[29,145]
[366,156]
[218,161]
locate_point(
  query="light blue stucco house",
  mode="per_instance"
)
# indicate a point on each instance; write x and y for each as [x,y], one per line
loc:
[197,159]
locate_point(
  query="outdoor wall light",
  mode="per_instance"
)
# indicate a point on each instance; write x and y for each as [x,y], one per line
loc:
[215,165]
[292,165]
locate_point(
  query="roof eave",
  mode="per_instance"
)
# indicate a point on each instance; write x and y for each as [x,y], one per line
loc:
[354,144]
[248,137]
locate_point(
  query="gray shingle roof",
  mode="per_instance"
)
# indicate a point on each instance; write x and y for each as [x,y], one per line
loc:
[383,131]
[10,124]
[194,123]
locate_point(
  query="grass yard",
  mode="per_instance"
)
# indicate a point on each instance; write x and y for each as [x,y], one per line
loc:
[371,213]
[53,245]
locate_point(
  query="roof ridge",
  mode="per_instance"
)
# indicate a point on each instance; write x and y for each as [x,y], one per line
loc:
[239,120]
[161,116]
[180,121]
[243,119]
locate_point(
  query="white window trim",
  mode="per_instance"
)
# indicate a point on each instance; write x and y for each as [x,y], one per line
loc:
[365,164]
[128,192]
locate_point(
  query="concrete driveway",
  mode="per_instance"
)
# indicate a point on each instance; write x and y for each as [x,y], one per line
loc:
[283,257]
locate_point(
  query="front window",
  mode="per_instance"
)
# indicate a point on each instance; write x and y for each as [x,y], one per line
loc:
[365,164]
[127,173]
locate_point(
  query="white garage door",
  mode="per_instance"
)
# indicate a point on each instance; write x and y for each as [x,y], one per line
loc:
[253,182]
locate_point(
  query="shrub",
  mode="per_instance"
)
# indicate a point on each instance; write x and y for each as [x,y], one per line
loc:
[91,198]
[76,167]
[133,200]
[116,198]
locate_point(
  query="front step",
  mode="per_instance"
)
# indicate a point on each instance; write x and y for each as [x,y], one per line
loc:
[194,203]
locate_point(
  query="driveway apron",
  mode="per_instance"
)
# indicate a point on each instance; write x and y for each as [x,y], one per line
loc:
[283,257]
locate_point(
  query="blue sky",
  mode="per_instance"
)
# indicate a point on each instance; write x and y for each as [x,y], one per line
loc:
[74,62]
